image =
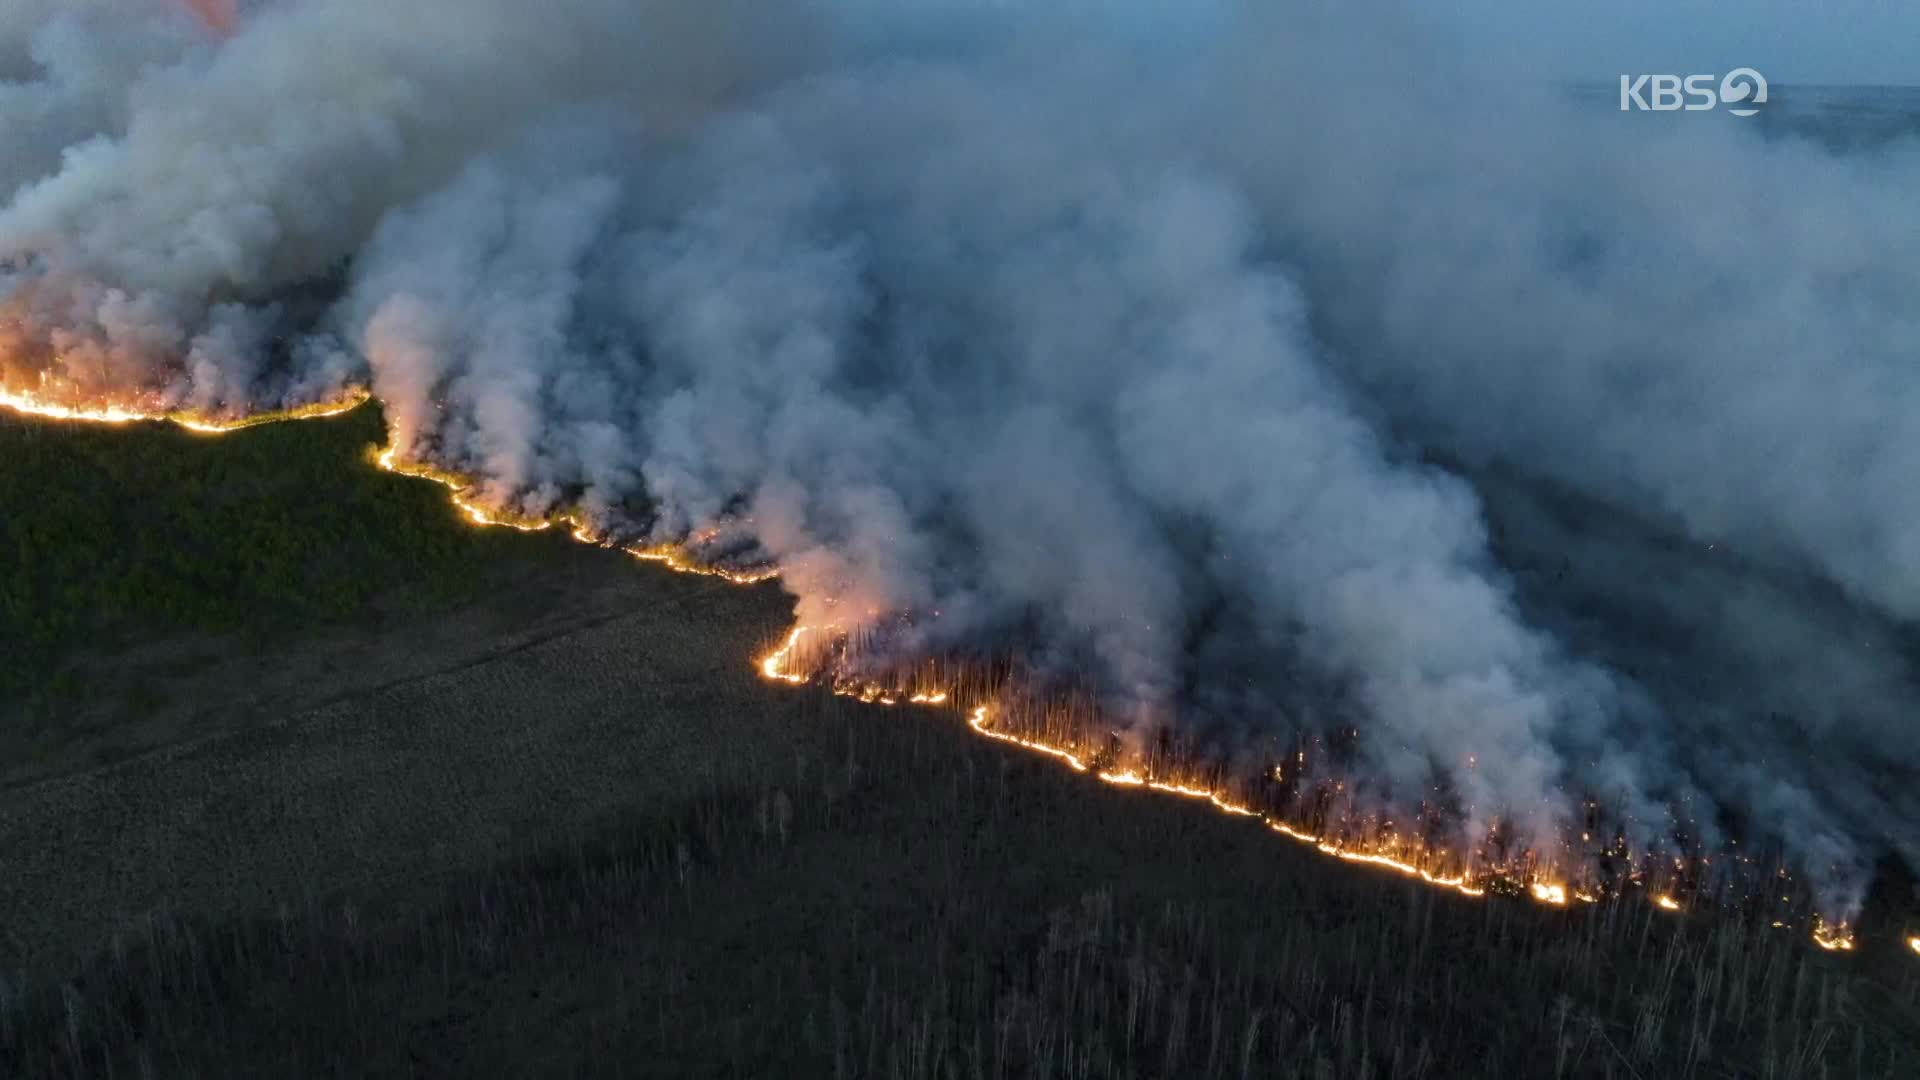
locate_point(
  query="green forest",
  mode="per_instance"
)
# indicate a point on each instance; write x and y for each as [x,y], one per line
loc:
[112,535]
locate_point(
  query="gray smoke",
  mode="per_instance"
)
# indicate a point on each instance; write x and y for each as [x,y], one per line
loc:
[1266,370]
[66,67]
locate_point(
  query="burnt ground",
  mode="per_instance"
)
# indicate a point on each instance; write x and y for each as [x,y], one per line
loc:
[555,826]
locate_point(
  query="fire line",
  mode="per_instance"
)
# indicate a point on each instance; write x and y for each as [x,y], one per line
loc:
[778,665]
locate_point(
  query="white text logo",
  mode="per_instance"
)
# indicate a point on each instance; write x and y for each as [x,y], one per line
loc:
[1741,92]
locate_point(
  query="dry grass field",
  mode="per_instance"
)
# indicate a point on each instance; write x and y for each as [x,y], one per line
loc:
[430,757]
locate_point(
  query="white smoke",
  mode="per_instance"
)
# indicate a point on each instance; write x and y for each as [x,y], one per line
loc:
[1130,338]
[265,164]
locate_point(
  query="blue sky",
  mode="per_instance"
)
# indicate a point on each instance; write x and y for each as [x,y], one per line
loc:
[1829,41]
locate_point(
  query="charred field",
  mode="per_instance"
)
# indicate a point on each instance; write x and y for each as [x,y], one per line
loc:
[339,785]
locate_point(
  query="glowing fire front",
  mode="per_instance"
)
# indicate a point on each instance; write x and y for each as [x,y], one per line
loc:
[786,664]
[780,666]
[202,423]
[460,491]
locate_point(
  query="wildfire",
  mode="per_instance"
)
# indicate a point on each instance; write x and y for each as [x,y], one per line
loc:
[978,721]
[774,664]
[778,664]
[1834,939]
[1914,944]
[104,415]
[1285,829]
[782,663]
[28,405]
[460,490]
[1134,779]
[1458,883]
[676,560]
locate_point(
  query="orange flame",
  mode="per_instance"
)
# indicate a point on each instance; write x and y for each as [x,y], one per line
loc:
[29,405]
[1833,939]
[459,488]
[777,665]
[1134,779]
[774,664]
[978,721]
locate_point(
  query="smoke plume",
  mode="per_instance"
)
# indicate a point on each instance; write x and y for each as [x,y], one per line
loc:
[1266,369]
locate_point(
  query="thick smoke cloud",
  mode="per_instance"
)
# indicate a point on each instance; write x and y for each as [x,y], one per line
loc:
[1266,370]
[266,163]
[1726,321]
[65,70]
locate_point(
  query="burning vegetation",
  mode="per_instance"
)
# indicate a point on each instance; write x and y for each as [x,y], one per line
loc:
[1168,451]
[1315,814]
[201,423]
[1298,797]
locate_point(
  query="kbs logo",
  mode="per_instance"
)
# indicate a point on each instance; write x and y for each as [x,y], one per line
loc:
[1741,92]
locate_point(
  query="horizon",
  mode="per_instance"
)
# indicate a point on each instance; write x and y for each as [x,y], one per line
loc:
[1844,43]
